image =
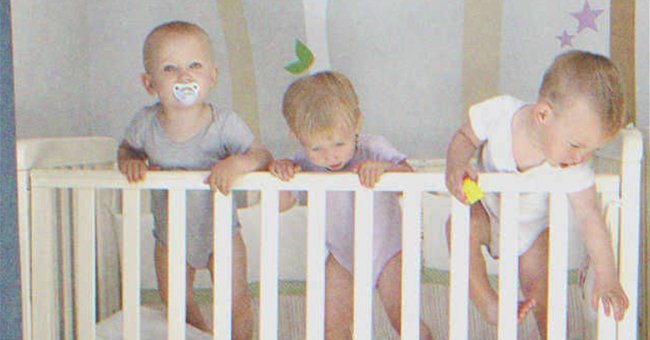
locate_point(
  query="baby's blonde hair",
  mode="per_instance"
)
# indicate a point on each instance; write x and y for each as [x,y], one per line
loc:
[315,106]
[579,74]
[154,37]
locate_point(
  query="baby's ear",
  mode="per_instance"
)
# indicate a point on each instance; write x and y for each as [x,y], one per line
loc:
[214,75]
[146,82]
[542,111]
[359,124]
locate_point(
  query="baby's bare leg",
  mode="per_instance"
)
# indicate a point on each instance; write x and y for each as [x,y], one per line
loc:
[193,314]
[242,312]
[533,275]
[338,301]
[389,287]
[481,292]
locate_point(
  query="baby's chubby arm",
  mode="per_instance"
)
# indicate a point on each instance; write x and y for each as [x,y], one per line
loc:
[597,240]
[284,169]
[224,174]
[461,149]
[131,162]
[370,171]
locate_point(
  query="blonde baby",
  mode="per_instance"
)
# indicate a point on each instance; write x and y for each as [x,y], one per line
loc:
[322,111]
[579,110]
[183,131]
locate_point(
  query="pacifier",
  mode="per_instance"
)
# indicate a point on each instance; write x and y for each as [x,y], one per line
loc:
[186,93]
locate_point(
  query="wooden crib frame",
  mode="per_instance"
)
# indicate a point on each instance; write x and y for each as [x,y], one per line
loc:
[42,312]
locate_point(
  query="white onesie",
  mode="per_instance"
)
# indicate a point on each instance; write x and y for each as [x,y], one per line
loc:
[491,122]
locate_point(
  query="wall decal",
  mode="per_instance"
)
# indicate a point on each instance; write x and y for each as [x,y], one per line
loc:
[565,39]
[586,19]
[305,59]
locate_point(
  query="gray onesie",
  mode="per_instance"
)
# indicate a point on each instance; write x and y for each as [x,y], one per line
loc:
[226,135]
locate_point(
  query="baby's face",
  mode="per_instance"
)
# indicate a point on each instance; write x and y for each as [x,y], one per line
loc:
[331,151]
[573,135]
[180,59]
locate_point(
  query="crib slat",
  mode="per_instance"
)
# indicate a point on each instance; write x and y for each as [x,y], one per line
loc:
[606,324]
[131,200]
[84,261]
[176,264]
[363,285]
[411,263]
[269,265]
[222,289]
[66,264]
[628,272]
[459,271]
[508,265]
[315,265]
[558,265]
[44,256]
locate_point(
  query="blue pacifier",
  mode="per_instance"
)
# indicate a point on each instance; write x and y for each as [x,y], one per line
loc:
[186,93]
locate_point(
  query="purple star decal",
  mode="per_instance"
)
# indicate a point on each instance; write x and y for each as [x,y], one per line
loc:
[565,39]
[587,18]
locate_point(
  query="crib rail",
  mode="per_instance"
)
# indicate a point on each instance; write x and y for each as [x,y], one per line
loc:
[84,183]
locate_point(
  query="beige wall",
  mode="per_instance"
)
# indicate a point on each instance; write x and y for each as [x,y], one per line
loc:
[481,50]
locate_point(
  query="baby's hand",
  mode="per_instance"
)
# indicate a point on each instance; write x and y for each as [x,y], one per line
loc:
[613,297]
[134,169]
[370,172]
[284,169]
[454,178]
[224,174]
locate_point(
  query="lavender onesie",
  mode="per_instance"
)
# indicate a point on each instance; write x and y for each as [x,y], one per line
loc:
[339,221]
[226,135]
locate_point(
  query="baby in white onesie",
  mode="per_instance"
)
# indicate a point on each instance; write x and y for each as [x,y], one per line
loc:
[579,110]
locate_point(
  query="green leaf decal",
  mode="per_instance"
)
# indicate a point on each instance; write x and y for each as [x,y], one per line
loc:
[305,59]
[296,67]
[304,53]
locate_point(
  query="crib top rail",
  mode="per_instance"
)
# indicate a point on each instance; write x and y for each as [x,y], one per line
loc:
[34,153]
[194,180]
[40,153]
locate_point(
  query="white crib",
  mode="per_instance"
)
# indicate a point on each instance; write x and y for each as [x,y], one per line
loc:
[58,305]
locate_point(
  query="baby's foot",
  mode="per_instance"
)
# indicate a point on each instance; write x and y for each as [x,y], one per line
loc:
[490,311]
[524,307]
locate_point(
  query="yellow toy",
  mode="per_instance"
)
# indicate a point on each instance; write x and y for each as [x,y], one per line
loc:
[472,191]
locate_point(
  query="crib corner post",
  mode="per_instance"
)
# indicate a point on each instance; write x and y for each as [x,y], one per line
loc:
[45,278]
[24,236]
